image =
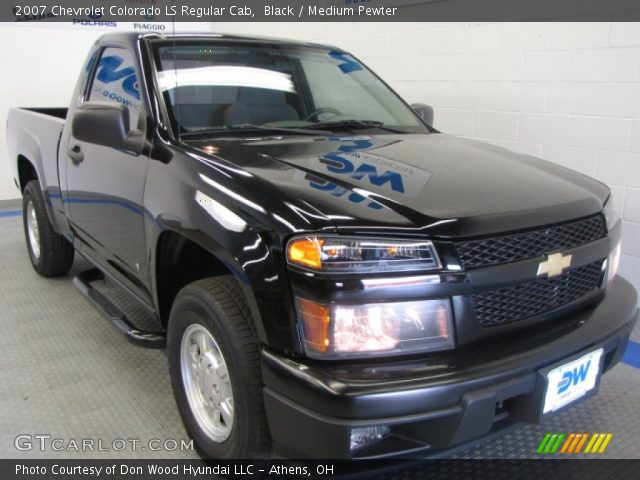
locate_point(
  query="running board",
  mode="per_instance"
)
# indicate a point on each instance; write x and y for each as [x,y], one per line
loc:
[145,339]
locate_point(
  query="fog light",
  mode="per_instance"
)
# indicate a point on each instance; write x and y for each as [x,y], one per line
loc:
[364,436]
[336,330]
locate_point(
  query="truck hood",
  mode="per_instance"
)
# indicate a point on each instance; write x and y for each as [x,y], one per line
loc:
[415,182]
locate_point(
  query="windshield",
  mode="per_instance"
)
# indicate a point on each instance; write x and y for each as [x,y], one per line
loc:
[218,86]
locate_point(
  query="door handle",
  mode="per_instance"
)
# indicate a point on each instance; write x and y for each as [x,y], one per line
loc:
[76,155]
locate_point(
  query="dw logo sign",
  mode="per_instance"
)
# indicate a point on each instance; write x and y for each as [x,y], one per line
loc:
[108,73]
[573,377]
[362,173]
[338,164]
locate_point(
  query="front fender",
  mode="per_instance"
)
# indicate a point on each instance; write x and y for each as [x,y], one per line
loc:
[177,199]
[251,260]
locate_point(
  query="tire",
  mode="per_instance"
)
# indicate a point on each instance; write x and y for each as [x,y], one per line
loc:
[50,253]
[217,307]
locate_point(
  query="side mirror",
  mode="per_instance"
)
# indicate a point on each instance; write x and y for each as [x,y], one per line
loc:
[106,124]
[425,112]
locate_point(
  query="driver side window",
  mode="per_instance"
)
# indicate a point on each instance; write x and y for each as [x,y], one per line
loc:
[116,80]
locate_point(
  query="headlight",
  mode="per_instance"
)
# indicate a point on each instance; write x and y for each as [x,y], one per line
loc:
[361,255]
[611,214]
[375,328]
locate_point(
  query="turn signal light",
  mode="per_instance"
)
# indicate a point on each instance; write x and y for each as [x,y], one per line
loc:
[316,322]
[306,252]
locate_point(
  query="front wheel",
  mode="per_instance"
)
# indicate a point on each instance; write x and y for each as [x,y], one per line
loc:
[215,370]
[50,253]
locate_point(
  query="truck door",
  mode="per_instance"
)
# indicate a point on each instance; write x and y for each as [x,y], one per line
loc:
[105,186]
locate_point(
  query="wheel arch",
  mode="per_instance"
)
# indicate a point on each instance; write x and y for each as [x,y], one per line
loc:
[181,259]
[26,171]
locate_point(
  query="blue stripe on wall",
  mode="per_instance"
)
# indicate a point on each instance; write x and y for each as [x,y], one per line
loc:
[632,354]
[10,213]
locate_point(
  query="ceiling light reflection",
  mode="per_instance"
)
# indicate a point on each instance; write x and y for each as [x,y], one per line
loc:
[225,76]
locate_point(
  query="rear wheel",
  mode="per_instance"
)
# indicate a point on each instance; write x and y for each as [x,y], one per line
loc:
[50,253]
[215,370]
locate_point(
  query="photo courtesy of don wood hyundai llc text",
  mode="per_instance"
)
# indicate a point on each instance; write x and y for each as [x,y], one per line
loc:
[340,245]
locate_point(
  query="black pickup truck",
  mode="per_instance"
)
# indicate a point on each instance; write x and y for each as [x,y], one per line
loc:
[332,276]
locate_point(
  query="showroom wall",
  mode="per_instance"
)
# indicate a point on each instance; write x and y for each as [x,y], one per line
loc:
[568,92]
[41,64]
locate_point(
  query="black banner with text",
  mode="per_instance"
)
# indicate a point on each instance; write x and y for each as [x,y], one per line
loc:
[108,11]
[277,469]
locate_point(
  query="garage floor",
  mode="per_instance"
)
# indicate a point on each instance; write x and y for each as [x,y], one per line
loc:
[65,371]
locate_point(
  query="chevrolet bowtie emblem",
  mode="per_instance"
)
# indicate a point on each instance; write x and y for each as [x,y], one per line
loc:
[554,265]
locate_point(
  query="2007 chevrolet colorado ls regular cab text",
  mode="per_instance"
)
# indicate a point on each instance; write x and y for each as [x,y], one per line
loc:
[333,277]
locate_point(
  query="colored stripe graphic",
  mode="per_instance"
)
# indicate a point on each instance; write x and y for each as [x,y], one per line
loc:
[576,444]
[606,441]
[556,445]
[581,443]
[596,446]
[573,443]
[598,443]
[543,443]
[567,443]
[551,443]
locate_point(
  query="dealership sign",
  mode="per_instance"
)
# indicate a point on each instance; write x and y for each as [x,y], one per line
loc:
[96,16]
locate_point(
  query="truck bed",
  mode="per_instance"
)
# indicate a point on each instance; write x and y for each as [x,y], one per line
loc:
[33,133]
[52,112]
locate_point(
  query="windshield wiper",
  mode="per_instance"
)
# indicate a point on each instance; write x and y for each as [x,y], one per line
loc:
[355,125]
[250,128]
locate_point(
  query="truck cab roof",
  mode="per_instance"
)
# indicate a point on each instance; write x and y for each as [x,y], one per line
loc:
[132,37]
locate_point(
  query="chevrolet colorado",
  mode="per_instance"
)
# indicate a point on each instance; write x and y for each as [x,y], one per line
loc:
[332,276]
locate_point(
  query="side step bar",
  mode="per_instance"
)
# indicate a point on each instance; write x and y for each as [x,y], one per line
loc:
[145,339]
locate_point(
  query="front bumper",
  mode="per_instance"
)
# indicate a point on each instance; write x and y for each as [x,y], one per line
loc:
[435,403]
